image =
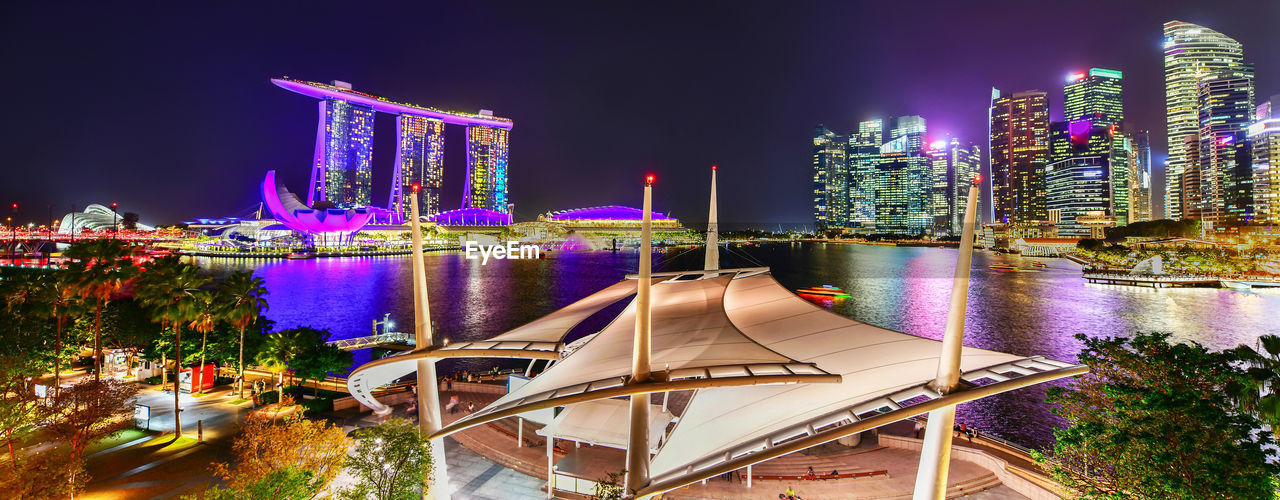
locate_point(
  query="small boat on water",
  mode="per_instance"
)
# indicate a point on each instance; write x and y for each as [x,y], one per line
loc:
[828,290]
[1003,267]
[1038,265]
[302,254]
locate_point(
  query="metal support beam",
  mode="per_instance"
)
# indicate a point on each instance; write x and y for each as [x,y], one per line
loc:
[935,453]
[638,433]
[429,420]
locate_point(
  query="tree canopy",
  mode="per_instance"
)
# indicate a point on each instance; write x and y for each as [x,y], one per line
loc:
[1157,420]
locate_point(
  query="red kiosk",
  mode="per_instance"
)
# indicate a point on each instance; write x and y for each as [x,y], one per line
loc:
[195,377]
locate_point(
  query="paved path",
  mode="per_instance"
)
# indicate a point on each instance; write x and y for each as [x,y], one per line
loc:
[475,478]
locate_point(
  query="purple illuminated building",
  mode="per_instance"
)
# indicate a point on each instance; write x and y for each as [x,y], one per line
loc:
[289,210]
[608,219]
[609,212]
[341,170]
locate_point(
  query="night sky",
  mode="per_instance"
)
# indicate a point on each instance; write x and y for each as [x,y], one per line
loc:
[168,109]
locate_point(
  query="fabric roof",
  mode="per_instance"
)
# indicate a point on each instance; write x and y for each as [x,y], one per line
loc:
[605,422]
[690,330]
[873,362]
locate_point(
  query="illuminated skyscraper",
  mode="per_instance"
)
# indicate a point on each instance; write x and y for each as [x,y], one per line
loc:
[486,185]
[864,160]
[1138,147]
[1019,152]
[1078,179]
[342,171]
[1097,95]
[953,169]
[420,160]
[1264,133]
[903,181]
[1191,53]
[830,181]
[1225,104]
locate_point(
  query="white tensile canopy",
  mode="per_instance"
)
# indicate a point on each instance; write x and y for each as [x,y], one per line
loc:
[604,423]
[769,369]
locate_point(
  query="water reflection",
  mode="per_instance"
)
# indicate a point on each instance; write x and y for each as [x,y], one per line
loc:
[908,289]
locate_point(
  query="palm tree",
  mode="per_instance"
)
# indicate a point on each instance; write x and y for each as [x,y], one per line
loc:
[277,351]
[47,296]
[207,315]
[171,289]
[1259,395]
[98,271]
[242,294]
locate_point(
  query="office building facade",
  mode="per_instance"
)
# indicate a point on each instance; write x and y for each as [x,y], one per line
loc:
[1264,133]
[1225,105]
[342,169]
[830,181]
[864,162]
[1019,126]
[1191,53]
[420,161]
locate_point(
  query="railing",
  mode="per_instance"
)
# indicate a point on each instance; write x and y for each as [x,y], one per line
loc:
[352,344]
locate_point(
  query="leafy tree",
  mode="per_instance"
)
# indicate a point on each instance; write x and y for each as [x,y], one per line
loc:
[242,293]
[289,483]
[92,410]
[268,443]
[610,487]
[278,350]
[314,358]
[19,405]
[44,475]
[99,269]
[391,461]
[1154,420]
[129,220]
[171,289]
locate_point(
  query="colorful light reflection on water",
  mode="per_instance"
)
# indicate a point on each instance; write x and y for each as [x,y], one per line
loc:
[1027,312]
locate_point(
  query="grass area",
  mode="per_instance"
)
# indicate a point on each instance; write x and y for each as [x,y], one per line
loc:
[237,401]
[165,443]
[201,394]
[120,438]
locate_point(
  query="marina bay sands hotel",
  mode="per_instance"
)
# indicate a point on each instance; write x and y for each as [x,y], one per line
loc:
[341,171]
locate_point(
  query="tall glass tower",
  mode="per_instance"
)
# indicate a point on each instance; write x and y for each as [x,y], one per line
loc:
[1225,103]
[1019,126]
[1191,53]
[419,160]
[830,181]
[1097,95]
[864,159]
[1265,135]
[486,185]
[342,172]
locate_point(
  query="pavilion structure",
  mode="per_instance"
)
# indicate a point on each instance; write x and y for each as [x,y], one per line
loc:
[770,373]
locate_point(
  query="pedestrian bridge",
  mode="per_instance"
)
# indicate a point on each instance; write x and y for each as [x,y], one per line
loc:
[391,340]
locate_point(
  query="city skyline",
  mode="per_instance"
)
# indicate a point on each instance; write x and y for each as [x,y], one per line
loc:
[705,71]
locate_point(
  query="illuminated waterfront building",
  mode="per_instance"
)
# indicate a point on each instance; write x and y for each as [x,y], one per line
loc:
[1225,104]
[486,185]
[1264,133]
[1078,180]
[1140,201]
[1189,181]
[903,181]
[864,160]
[420,160]
[1191,54]
[1096,95]
[1019,126]
[830,181]
[342,171]
[952,169]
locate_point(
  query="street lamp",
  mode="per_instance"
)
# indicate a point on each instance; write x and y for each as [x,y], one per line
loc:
[114,224]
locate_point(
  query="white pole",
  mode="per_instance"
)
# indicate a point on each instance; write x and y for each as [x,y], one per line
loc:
[638,435]
[748,475]
[712,260]
[519,432]
[428,397]
[550,457]
[935,454]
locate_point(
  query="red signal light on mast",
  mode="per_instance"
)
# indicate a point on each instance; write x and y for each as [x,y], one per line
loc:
[417,187]
[648,180]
